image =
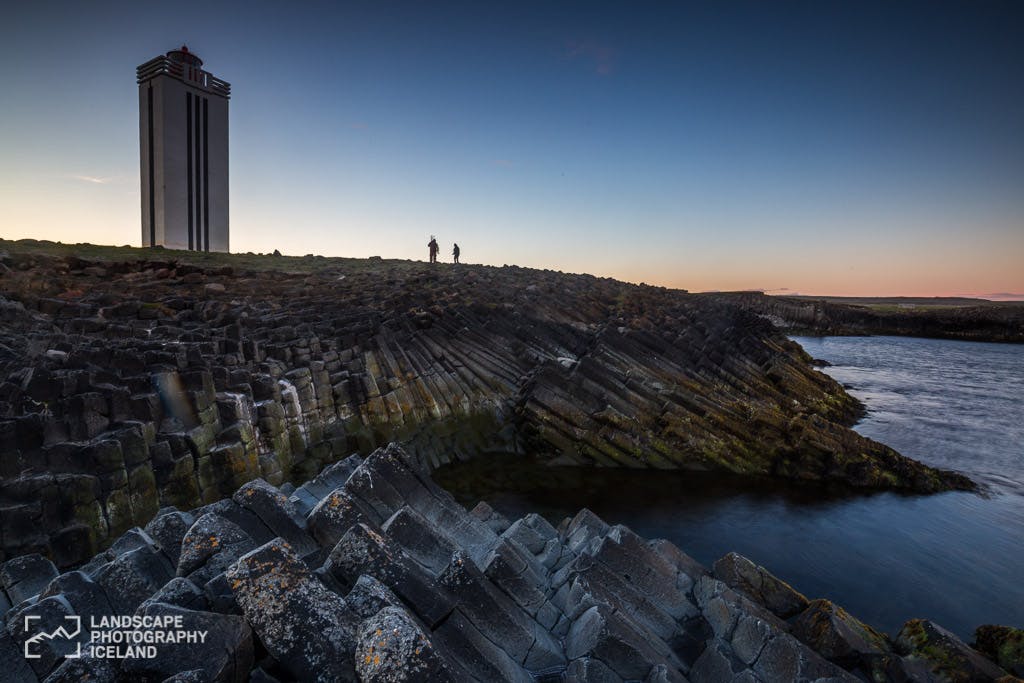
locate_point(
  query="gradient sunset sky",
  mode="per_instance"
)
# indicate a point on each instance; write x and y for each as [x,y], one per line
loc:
[846,148]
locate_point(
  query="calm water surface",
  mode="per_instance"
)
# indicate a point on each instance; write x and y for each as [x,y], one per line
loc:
[957,558]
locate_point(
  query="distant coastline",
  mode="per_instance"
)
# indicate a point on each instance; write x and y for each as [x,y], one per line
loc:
[961,318]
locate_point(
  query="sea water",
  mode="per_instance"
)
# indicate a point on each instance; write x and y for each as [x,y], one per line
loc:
[956,558]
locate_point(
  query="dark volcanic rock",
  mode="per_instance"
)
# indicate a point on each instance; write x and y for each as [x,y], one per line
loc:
[25,576]
[174,380]
[392,648]
[760,585]
[844,640]
[1003,645]
[307,628]
[416,588]
[226,653]
[943,654]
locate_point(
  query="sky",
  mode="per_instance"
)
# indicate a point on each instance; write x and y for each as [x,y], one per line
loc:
[843,148]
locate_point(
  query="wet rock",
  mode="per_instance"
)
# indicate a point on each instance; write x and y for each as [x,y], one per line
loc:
[590,670]
[1003,645]
[844,640]
[760,585]
[945,656]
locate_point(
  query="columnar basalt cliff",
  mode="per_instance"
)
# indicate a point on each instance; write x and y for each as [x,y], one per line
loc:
[370,572]
[131,380]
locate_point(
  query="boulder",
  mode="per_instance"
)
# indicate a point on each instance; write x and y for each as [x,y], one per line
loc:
[224,655]
[334,515]
[365,551]
[844,640]
[759,585]
[168,529]
[393,648]
[308,629]
[212,544]
[132,577]
[370,596]
[1003,645]
[947,657]
[25,576]
[277,512]
[606,635]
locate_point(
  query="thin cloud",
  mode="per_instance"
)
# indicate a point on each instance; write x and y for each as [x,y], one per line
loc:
[603,57]
[93,179]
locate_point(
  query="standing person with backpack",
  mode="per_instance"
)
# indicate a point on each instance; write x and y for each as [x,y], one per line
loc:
[455,253]
[432,246]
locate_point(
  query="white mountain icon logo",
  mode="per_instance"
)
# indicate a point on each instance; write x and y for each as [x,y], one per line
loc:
[61,632]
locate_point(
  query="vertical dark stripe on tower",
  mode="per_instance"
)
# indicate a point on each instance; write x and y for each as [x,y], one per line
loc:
[199,184]
[152,199]
[188,153]
[206,174]
[199,224]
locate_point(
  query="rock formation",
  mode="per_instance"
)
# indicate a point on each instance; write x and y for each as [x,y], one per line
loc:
[131,380]
[370,572]
[980,321]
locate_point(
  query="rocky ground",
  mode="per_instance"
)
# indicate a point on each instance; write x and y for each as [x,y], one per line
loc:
[135,379]
[980,321]
[370,572]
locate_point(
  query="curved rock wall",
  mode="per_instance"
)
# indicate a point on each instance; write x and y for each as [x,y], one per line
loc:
[141,382]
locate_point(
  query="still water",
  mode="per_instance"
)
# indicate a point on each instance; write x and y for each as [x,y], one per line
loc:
[956,558]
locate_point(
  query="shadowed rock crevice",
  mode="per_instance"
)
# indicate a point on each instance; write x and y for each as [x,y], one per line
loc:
[130,381]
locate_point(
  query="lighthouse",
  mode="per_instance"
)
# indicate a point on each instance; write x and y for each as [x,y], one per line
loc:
[183,151]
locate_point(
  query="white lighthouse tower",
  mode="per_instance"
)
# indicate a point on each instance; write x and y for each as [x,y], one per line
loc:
[183,147]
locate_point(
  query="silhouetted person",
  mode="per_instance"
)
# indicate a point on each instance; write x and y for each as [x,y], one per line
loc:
[432,245]
[455,253]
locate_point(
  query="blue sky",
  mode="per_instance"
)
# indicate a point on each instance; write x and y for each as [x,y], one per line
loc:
[831,148]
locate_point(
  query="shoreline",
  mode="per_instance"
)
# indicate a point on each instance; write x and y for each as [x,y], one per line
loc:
[370,570]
